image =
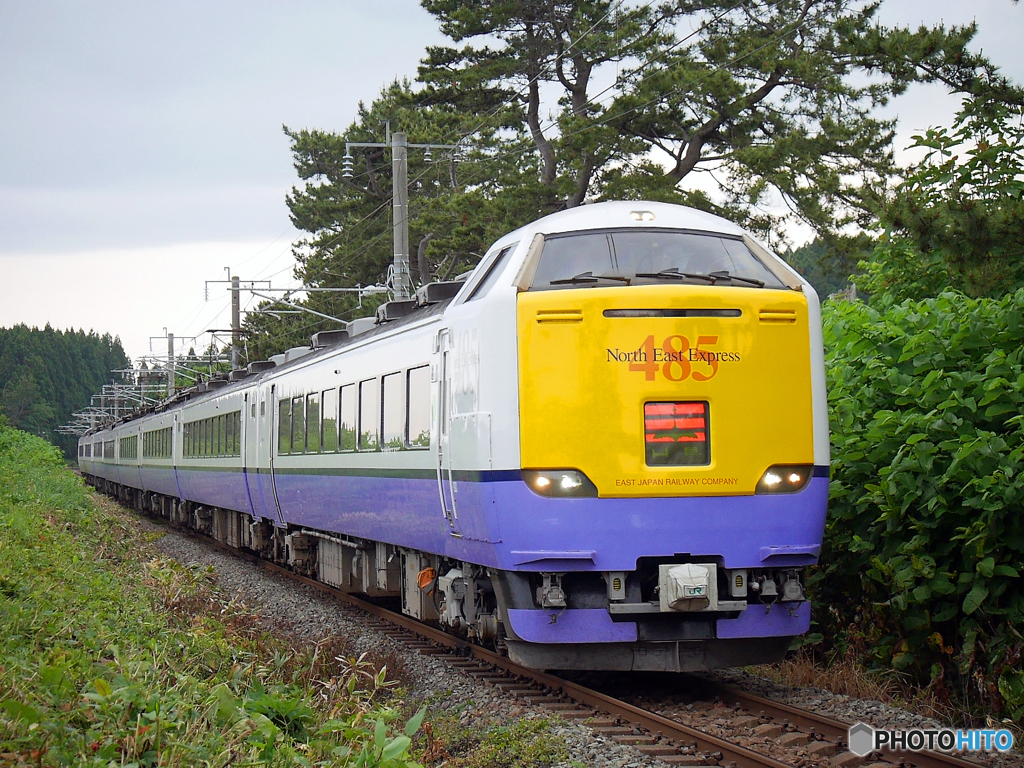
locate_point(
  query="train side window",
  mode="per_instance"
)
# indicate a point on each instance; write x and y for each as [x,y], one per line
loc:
[493,272]
[329,420]
[313,422]
[238,433]
[393,401]
[229,434]
[208,437]
[222,435]
[347,433]
[417,434]
[369,415]
[284,427]
[298,424]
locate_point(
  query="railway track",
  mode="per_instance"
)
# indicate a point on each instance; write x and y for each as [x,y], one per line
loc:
[793,736]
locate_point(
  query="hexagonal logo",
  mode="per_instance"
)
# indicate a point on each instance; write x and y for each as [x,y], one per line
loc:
[861,739]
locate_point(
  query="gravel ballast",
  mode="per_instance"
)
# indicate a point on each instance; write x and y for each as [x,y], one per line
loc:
[309,616]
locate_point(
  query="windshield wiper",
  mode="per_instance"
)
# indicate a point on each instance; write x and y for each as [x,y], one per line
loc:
[673,273]
[723,274]
[588,277]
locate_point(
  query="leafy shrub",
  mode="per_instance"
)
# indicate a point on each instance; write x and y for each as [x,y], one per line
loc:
[959,214]
[925,542]
[897,270]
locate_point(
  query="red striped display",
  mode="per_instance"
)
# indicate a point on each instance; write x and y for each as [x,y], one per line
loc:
[676,434]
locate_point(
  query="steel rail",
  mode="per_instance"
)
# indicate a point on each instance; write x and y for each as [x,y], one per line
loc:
[830,728]
[654,723]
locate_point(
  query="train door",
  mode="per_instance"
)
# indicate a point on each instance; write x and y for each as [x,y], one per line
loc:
[446,485]
[268,486]
[250,463]
[177,452]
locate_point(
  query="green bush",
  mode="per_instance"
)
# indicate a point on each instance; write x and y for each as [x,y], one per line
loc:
[925,541]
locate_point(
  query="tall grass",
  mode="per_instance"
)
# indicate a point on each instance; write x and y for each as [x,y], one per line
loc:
[106,660]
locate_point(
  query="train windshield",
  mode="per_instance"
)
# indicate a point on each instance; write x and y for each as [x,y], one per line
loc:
[631,257]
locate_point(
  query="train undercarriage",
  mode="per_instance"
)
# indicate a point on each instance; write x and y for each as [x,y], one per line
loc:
[473,602]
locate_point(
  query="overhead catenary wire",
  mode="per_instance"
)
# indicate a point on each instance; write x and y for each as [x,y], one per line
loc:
[516,96]
[476,171]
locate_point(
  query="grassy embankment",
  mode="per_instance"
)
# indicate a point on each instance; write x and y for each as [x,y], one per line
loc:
[106,659]
[112,655]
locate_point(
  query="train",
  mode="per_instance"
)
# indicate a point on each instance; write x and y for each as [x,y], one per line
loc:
[605,448]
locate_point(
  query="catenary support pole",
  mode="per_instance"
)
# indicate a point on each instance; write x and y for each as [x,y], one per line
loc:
[170,365]
[236,327]
[400,176]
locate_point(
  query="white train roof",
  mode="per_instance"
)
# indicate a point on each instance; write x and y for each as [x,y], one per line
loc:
[621,214]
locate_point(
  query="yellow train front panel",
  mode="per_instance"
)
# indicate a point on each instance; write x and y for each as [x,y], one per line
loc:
[665,390]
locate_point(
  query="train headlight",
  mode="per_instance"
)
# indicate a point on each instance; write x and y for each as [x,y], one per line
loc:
[559,482]
[784,478]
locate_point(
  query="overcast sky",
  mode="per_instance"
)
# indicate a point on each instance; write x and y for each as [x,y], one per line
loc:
[141,150]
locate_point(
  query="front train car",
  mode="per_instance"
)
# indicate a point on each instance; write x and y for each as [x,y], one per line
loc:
[673,444]
[607,448]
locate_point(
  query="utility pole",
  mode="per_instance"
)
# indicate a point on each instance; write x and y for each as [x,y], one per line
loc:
[400,213]
[236,313]
[170,365]
[399,199]
[236,327]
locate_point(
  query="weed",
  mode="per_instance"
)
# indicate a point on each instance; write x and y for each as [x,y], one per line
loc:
[845,675]
[464,740]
